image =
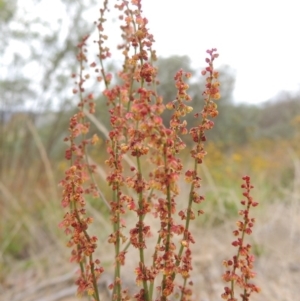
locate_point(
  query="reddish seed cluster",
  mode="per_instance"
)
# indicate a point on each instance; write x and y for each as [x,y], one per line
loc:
[138,132]
[210,94]
[148,72]
[240,266]
[76,185]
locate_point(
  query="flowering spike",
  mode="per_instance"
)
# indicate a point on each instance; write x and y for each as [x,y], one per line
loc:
[240,267]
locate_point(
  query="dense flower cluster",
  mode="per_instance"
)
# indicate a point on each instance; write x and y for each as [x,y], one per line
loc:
[240,266]
[138,136]
[76,185]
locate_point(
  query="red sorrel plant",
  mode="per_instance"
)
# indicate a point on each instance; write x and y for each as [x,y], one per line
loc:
[139,138]
[240,266]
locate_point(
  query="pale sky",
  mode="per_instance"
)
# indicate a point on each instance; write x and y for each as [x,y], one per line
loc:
[259,39]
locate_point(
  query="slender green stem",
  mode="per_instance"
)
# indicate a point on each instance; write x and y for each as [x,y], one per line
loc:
[141,234]
[116,227]
[167,247]
[151,288]
[182,291]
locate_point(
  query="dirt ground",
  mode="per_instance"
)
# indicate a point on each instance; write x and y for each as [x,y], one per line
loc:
[276,239]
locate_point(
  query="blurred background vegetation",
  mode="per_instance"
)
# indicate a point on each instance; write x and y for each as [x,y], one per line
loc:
[37,59]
